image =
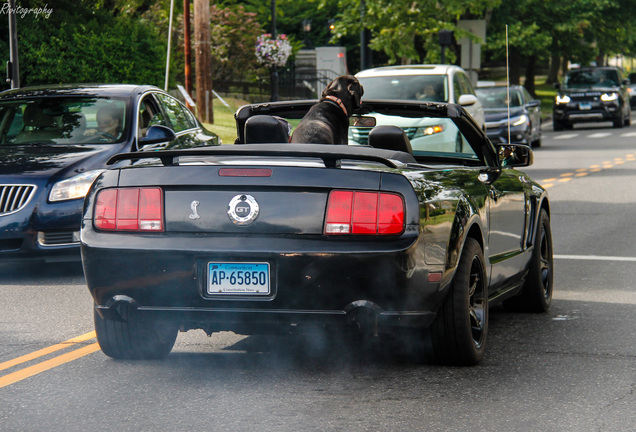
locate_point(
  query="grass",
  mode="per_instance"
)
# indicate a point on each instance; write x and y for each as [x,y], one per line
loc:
[224,125]
[545,93]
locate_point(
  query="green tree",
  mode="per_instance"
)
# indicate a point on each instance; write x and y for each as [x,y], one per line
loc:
[519,31]
[406,31]
[614,28]
[560,33]
[81,41]
[290,17]
[233,33]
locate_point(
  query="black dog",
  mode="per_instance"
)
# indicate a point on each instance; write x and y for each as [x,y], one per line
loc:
[327,121]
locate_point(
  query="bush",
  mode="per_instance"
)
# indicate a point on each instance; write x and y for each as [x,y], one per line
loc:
[81,48]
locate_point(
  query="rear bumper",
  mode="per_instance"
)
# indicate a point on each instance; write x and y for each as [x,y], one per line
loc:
[334,283]
[359,316]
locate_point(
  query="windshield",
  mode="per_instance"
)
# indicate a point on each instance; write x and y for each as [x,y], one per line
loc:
[497,97]
[433,88]
[433,137]
[591,78]
[63,120]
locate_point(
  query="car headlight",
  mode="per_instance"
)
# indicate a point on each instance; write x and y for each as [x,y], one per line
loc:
[428,130]
[517,121]
[608,97]
[562,99]
[74,187]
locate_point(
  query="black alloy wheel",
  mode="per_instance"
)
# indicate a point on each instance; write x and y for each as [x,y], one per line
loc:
[536,295]
[477,300]
[458,334]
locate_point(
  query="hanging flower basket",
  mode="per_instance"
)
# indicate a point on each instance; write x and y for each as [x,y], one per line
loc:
[273,52]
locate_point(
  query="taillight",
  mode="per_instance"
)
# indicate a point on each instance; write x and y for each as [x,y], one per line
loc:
[129,209]
[356,212]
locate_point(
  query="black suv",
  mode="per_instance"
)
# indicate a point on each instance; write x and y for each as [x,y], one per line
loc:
[592,94]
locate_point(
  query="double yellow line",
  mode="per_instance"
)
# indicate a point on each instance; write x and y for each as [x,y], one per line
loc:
[566,177]
[47,364]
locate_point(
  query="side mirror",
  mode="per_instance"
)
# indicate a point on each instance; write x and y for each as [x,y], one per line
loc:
[534,103]
[362,121]
[157,134]
[515,155]
[467,99]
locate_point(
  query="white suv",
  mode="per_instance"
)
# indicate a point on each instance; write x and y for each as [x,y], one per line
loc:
[432,83]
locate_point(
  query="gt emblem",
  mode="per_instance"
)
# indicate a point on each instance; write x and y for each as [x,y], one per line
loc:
[193,207]
[243,209]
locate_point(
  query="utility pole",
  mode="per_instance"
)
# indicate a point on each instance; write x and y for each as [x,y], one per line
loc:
[274,71]
[165,87]
[445,40]
[365,52]
[187,48]
[203,60]
[13,70]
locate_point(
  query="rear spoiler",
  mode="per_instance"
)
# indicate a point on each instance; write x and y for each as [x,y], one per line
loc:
[331,155]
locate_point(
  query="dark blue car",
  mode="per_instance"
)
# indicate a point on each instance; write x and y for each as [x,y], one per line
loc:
[55,140]
[524,112]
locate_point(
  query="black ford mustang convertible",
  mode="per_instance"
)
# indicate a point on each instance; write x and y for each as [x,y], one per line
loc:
[268,236]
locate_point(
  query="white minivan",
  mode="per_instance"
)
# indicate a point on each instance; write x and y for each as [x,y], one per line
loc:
[427,83]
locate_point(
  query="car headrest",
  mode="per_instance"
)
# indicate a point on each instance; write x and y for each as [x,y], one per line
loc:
[266,129]
[34,116]
[390,138]
[145,119]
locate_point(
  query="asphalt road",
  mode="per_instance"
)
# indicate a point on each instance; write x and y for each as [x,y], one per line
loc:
[571,369]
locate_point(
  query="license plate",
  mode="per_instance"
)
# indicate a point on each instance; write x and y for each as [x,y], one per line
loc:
[238,278]
[585,106]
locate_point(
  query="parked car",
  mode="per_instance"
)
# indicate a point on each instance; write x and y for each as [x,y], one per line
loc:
[592,94]
[55,140]
[426,83]
[632,90]
[277,237]
[512,114]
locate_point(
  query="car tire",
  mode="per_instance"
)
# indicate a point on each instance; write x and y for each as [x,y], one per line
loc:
[536,295]
[458,334]
[133,336]
[619,122]
[537,142]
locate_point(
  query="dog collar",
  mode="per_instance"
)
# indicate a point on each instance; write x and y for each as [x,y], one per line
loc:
[337,102]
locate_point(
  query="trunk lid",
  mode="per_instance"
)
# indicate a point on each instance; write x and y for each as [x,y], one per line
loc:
[291,200]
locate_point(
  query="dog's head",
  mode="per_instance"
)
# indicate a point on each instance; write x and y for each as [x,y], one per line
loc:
[348,89]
